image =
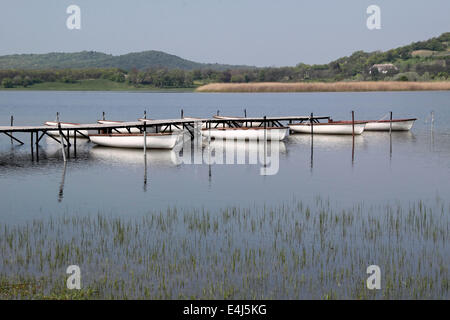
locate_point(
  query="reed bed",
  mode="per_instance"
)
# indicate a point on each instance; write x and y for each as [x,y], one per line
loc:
[292,250]
[360,86]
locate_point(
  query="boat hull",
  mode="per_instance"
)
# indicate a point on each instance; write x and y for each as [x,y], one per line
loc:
[397,125]
[154,140]
[247,133]
[328,128]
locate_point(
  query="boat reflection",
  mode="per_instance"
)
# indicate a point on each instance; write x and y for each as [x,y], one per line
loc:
[155,157]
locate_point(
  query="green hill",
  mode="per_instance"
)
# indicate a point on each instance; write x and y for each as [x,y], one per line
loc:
[91,59]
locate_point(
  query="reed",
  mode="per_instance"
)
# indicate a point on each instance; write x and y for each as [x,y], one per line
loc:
[293,250]
[324,87]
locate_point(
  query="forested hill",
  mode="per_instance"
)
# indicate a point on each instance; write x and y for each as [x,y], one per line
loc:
[91,59]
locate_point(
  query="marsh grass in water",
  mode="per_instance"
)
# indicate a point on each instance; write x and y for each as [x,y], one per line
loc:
[292,250]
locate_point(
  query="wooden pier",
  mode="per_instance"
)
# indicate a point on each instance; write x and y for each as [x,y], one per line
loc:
[163,125]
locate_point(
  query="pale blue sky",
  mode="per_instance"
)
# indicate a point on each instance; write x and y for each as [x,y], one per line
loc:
[253,32]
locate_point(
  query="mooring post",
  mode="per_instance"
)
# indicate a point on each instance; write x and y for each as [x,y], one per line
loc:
[75,144]
[311,123]
[182,114]
[353,124]
[218,112]
[390,136]
[37,146]
[12,124]
[145,132]
[61,137]
[390,123]
[32,151]
[103,115]
[68,143]
[245,113]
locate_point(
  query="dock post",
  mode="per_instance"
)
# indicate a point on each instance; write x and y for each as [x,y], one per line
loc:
[218,111]
[37,146]
[353,124]
[61,137]
[245,113]
[390,136]
[32,151]
[311,122]
[75,144]
[103,115]
[145,133]
[390,123]
[68,143]
[12,123]
[182,114]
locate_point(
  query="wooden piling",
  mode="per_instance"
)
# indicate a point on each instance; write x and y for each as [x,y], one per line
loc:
[12,124]
[353,124]
[75,144]
[390,123]
[145,133]
[32,151]
[182,114]
[37,146]
[61,137]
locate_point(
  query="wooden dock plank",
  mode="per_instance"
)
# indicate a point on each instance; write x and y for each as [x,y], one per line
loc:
[149,123]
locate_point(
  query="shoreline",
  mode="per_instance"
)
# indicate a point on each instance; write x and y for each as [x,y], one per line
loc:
[366,86]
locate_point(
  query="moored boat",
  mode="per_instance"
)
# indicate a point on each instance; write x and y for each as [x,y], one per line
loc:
[332,127]
[385,125]
[135,140]
[66,125]
[247,133]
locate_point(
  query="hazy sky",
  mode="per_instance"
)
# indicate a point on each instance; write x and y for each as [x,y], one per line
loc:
[253,32]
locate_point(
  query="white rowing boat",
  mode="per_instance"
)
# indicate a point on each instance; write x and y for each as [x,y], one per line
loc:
[65,125]
[238,119]
[135,140]
[123,130]
[333,127]
[247,133]
[384,125]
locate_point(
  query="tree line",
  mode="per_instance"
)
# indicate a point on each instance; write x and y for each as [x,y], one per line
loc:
[410,66]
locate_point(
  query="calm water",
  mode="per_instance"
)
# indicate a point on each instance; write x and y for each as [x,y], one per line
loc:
[112,181]
[174,230]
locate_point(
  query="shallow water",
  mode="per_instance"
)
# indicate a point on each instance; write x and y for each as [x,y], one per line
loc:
[415,165]
[159,227]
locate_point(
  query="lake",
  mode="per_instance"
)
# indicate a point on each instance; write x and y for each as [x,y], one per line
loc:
[376,177]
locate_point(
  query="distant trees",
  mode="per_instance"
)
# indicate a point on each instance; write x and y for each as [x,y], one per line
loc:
[7,83]
[357,66]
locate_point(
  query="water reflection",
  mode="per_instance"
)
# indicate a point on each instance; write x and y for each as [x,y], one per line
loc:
[155,157]
[61,185]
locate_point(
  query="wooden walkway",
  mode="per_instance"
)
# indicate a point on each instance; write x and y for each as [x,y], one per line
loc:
[163,125]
